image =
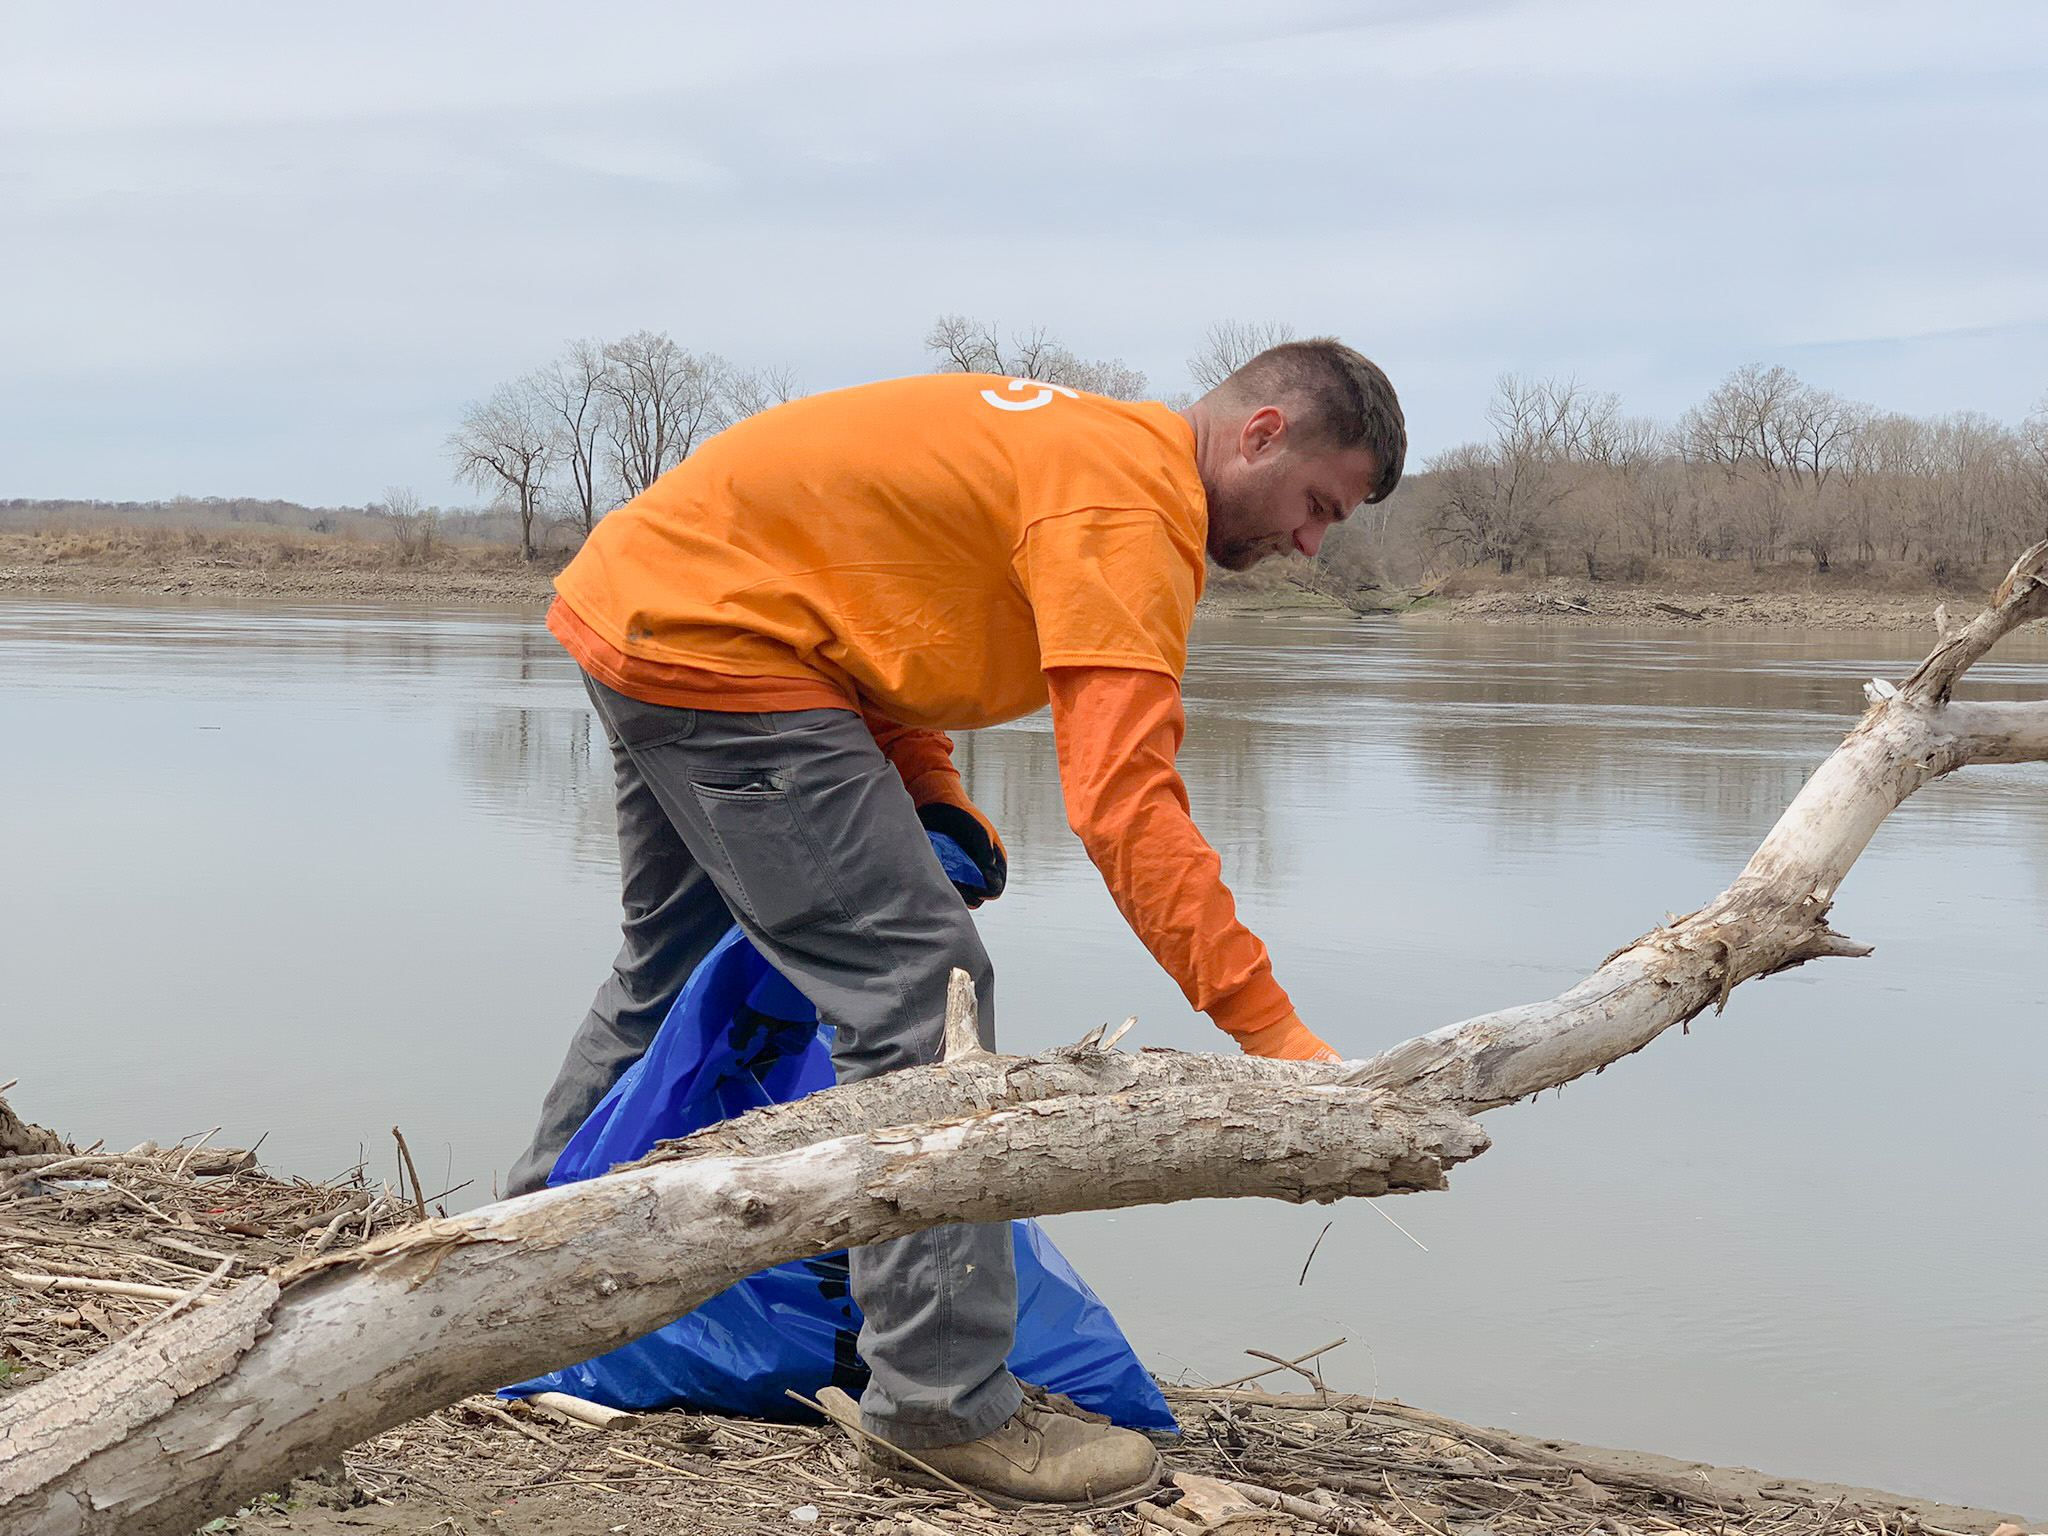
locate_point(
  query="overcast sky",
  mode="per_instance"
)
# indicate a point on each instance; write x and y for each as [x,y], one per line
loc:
[272,250]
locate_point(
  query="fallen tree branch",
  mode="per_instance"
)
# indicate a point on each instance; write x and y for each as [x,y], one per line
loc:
[183,1420]
[169,1425]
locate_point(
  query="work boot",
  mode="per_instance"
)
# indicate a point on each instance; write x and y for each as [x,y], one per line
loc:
[1050,1451]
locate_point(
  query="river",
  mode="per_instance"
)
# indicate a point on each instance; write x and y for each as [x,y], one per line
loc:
[316,871]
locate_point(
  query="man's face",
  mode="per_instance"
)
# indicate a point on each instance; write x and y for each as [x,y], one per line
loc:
[1276,494]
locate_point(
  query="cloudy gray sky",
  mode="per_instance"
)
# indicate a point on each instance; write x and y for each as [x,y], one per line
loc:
[272,250]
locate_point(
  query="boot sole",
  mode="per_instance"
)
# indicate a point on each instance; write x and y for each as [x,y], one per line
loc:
[911,1477]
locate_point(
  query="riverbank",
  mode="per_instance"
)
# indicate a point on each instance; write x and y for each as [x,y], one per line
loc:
[1688,594]
[283,566]
[269,565]
[1559,602]
[1567,603]
[94,1244]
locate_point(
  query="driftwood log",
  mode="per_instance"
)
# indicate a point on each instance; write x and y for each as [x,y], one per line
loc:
[205,1407]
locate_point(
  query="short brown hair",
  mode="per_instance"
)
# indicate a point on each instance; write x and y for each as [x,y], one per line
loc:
[1345,400]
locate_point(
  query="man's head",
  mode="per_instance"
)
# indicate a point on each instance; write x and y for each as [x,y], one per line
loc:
[1290,443]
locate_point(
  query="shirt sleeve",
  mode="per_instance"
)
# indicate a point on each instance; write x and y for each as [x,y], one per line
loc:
[1118,730]
[923,759]
[1110,588]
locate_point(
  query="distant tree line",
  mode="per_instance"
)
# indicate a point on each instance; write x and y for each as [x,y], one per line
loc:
[1766,468]
[418,529]
[182,512]
[600,423]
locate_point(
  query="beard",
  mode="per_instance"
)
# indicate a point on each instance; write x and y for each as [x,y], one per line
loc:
[1241,554]
[1240,532]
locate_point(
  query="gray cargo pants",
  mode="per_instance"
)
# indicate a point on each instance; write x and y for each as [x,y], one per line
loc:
[794,825]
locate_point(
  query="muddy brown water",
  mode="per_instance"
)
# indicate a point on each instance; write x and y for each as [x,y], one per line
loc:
[318,871]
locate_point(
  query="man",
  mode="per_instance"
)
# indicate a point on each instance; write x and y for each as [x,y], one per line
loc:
[777,633]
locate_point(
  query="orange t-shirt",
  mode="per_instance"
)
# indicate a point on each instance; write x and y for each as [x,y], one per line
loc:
[928,551]
[925,547]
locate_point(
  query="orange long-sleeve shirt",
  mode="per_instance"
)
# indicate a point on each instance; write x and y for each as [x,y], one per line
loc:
[1117,732]
[950,552]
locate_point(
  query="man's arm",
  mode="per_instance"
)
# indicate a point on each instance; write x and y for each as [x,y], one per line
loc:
[924,761]
[1118,730]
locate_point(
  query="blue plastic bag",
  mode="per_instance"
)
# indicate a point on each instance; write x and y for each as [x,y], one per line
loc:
[738,1038]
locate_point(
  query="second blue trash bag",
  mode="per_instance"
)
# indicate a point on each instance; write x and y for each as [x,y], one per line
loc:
[741,1037]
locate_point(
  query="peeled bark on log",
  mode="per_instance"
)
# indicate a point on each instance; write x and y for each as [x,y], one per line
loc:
[191,1415]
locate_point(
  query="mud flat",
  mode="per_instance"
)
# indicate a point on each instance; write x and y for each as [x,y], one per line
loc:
[94,1243]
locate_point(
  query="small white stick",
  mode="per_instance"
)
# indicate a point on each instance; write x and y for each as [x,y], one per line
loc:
[127,1288]
[579,1410]
[193,1151]
[963,1033]
[1418,1242]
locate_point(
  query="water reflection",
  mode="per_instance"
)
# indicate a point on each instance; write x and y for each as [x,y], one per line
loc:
[548,768]
[321,871]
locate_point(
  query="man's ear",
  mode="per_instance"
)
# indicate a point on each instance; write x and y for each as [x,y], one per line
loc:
[1264,432]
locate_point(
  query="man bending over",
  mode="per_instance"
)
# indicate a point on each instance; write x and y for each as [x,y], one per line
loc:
[777,634]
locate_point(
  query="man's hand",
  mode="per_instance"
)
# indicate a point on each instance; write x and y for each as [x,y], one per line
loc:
[1289,1040]
[977,840]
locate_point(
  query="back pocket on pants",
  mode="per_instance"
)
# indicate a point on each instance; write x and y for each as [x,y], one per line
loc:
[780,870]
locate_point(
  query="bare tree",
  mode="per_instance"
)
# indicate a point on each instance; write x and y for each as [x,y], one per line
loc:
[1110,376]
[506,445]
[574,389]
[2033,467]
[1230,344]
[661,402]
[1628,457]
[1771,436]
[1487,506]
[748,392]
[1882,473]
[1654,504]
[1972,479]
[414,525]
[1494,500]
[1742,423]
[960,344]
[1819,426]
[1555,421]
